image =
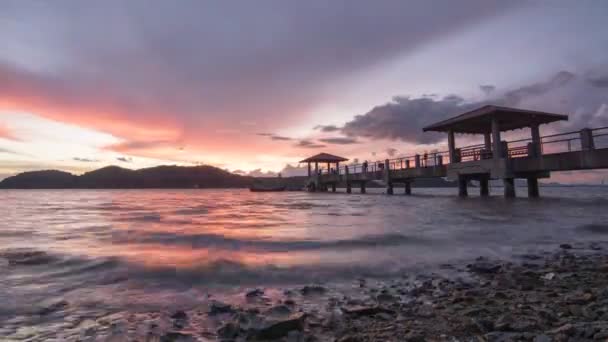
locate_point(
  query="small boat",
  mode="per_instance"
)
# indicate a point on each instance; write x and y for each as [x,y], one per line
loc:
[267,185]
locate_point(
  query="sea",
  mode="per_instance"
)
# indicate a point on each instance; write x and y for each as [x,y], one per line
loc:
[129,250]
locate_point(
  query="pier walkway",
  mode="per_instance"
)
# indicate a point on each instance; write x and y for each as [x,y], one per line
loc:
[531,158]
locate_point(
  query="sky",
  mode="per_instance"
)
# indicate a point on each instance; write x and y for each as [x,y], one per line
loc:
[256,86]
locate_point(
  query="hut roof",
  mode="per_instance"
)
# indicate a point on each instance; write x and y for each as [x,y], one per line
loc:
[479,121]
[323,158]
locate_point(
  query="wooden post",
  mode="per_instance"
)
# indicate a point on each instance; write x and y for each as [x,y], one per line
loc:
[536,145]
[509,184]
[309,169]
[487,141]
[408,188]
[451,146]
[462,186]
[387,177]
[533,187]
[484,187]
[362,187]
[346,176]
[333,187]
[587,142]
[497,150]
[417,160]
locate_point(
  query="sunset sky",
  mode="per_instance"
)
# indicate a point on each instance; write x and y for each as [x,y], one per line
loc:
[252,86]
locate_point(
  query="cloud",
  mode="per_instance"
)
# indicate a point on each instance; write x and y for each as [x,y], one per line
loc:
[327,128]
[260,173]
[487,89]
[598,81]
[275,137]
[125,159]
[339,140]
[85,160]
[404,117]
[150,70]
[308,144]
[391,151]
[5,133]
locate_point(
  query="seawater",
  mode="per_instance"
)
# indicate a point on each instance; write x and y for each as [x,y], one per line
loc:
[146,249]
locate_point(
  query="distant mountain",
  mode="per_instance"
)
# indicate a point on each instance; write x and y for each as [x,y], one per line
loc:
[114,177]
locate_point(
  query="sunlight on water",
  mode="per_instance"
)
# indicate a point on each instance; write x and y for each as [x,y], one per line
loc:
[121,247]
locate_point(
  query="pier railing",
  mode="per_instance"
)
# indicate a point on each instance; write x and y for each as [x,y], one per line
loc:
[549,144]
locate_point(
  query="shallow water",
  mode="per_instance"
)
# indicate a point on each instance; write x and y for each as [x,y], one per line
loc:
[142,249]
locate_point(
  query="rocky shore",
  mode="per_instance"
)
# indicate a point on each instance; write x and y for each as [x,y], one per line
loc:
[556,296]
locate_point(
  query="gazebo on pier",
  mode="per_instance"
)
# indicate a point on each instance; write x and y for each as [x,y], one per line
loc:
[491,159]
[323,158]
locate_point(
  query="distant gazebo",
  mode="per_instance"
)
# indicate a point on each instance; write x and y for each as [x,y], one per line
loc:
[323,158]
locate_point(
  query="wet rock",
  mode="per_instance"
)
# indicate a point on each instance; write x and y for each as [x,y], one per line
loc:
[174,336]
[273,329]
[500,336]
[385,297]
[279,310]
[254,293]
[52,306]
[366,311]
[218,307]
[483,267]
[565,246]
[351,338]
[229,330]
[313,290]
[179,315]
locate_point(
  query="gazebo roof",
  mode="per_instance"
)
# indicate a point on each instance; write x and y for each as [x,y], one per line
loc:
[323,158]
[479,121]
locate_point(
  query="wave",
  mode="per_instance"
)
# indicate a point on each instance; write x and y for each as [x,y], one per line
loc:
[595,228]
[221,241]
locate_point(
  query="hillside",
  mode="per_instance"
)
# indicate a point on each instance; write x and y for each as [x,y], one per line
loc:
[114,177]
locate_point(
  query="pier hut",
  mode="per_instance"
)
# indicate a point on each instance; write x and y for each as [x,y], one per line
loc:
[333,169]
[492,160]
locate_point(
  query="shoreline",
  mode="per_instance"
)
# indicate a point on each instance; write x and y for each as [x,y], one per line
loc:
[557,296]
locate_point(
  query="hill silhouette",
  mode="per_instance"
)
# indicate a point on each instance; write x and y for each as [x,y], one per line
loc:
[115,177]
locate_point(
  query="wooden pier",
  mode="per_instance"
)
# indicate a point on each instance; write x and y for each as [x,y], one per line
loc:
[531,158]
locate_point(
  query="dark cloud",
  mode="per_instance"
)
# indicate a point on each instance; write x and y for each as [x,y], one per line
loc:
[8,151]
[280,138]
[560,79]
[125,159]
[275,137]
[598,81]
[487,88]
[391,152]
[404,117]
[85,160]
[308,144]
[339,140]
[327,128]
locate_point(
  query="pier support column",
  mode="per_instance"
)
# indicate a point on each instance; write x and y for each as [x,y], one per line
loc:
[348,188]
[362,187]
[533,187]
[509,184]
[387,177]
[587,142]
[484,187]
[451,146]
[536,144]
[497,148]
[333,187]
[462,187]
[408,188]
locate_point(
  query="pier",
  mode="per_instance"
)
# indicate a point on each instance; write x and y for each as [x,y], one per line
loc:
[495,159]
